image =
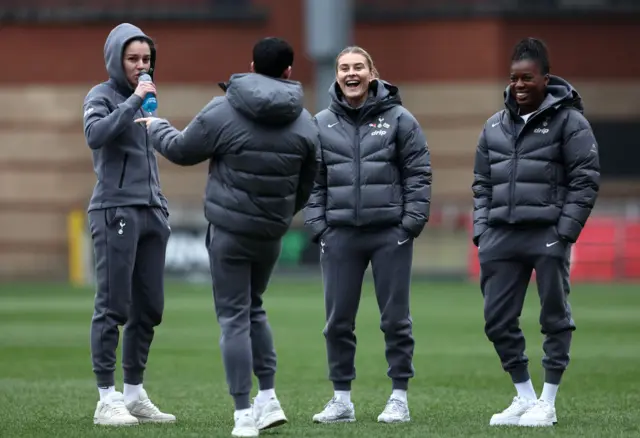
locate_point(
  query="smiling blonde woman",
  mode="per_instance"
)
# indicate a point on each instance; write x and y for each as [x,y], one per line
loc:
[370,200]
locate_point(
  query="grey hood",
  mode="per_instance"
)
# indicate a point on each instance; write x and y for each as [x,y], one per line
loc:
[266,100]
[114,50]
[382,96]
[559,93]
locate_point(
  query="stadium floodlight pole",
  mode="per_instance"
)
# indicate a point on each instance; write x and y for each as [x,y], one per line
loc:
[329,29]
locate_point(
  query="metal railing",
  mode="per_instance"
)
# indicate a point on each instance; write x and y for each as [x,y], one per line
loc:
[235,10]
[385,10]
[102,10]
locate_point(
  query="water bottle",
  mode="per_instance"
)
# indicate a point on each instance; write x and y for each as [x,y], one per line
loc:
[150,103]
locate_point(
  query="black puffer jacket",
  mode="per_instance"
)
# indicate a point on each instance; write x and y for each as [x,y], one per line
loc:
[544,172]
[374,168]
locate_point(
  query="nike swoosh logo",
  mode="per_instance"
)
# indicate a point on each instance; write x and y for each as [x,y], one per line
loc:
[551,244]
[402,242]
[493,125]
[332,125]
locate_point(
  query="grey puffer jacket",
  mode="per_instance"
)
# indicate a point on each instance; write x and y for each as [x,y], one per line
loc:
[261,145]
[542,172]
[374,166]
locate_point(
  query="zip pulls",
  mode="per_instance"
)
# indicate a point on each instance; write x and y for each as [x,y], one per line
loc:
[147,152]
[516,139]
[528,121]
[358,185]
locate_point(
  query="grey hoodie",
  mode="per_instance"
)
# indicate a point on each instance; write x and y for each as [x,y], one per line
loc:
[123,160]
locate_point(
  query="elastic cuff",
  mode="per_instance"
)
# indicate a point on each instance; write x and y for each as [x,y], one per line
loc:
[342,386]
[133,377]
[402,384]
[520,375]
[105,380]
[553,376]
[266,382]
[241,401]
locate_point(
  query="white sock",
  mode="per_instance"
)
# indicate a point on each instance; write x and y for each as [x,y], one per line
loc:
[132,392]
[265,395]
[243,413]
[400,394]
[525,390]
[343,396]
[549,392]
[104,392]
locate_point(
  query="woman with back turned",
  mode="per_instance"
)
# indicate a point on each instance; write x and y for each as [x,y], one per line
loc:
[370,200]
[536,180]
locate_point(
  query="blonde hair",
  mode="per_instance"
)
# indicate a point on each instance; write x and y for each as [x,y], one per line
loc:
[360,51]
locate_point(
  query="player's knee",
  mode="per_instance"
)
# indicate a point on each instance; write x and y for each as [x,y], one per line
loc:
[495,332]
[235,325]
[155,317]
[554,325]
[401,326]
[118,311]
[338,328]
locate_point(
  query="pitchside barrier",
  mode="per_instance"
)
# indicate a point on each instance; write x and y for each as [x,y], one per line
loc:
[186,255]
[608,250]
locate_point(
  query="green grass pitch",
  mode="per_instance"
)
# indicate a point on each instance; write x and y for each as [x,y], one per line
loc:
[47,389]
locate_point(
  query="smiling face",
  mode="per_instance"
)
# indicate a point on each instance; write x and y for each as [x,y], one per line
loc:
[528,85]
[354,73]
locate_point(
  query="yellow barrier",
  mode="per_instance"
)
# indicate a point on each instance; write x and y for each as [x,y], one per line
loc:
[76,231]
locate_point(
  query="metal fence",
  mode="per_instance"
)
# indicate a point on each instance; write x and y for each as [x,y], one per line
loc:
[379,10]
[608,249]
[242,10]
[102,10]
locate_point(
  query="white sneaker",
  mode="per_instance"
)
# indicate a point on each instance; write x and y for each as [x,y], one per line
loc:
[396,411]
[511,415]
[111,411]
[268,414]
[542,414]
[146,412]
[245,425]
[336,411]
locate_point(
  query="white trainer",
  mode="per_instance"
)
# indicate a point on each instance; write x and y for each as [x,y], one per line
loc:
[542,414]
[336,411]
[146,412]
[245,425]
[268,414]
[111,411]
[511,415]
[396,411]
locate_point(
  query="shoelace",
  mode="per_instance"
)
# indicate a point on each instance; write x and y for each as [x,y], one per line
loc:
[515,405]
[539,406]
[119,408]
[149,407]
[333,403]
[394,406]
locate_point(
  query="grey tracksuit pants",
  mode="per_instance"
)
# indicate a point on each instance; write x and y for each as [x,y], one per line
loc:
[345,254]
[129,247]
[240,271]
[508,256]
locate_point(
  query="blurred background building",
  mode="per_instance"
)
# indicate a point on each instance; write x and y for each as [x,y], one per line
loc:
[450,59]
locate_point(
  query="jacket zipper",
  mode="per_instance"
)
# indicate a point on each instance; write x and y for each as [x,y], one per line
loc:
[516,140]
[124,170]
[146,138]
[357,162]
